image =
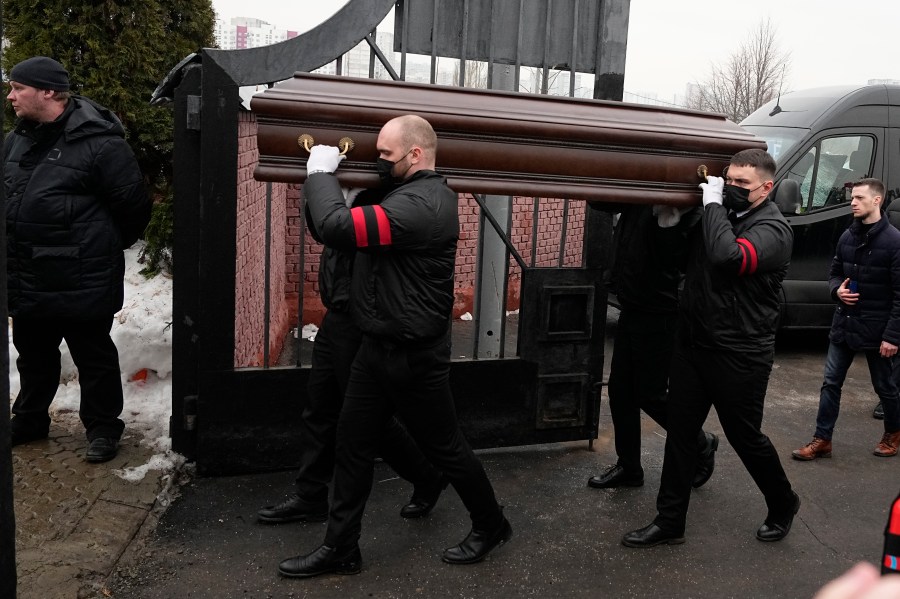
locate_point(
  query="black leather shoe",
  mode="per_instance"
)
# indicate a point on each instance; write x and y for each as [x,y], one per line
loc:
[423,501]
[651,536]
[324,560]
[616,476]
[24,435]
[293,509]
[102,449]
[878,412]
[707,462]
[776,529]
[478,544]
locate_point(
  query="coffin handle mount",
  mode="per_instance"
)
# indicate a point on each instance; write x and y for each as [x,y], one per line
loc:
[307,141]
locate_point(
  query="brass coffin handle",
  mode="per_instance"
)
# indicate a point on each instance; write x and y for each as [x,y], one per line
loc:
[307,141]
[702,171]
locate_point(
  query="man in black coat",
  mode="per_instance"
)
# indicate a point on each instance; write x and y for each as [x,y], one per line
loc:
[75,200]
[865,284]
[337,342]
[726,346]
[649,259]
[402,300]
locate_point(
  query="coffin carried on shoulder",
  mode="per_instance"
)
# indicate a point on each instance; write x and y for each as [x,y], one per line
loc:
[499,142]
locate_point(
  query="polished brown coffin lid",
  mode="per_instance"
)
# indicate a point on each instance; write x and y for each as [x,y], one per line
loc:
[501,143]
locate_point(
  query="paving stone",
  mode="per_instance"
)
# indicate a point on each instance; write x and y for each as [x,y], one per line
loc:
[74,519]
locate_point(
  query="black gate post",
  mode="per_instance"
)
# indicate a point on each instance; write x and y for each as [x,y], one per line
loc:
[186,264]
[7,510]
[206,142]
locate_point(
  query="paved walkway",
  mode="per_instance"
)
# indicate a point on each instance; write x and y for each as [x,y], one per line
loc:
[74,520]
[83,532]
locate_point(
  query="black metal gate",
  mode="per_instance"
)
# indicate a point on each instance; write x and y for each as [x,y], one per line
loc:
[232,419]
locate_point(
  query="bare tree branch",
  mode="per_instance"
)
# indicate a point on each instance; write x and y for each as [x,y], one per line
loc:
[749,78]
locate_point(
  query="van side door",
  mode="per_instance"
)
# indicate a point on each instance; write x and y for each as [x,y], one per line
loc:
[825,169]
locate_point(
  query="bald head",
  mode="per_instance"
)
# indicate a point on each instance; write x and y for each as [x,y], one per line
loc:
[410,142]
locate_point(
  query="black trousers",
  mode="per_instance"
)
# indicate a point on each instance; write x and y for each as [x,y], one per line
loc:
[735,383]
[414,382]
[639,379]
[336,344]
[97,360]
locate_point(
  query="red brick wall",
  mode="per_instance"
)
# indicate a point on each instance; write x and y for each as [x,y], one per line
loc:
[249,290]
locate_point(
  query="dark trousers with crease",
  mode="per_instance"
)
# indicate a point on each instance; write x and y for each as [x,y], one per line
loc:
[735,383]
[335,347]
[97,360]
[639,379]
[413,382]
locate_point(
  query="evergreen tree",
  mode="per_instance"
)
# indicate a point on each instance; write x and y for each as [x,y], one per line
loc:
[116,53]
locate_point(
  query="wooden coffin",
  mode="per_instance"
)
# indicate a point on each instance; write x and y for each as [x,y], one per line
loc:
[501,143]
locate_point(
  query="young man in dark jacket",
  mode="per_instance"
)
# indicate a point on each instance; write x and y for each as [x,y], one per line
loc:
[75,199]
[337,342]
[725,346]
[865,283]
[402,300]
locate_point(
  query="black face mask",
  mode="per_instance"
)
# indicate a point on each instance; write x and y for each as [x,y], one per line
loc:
[737,198]
[385,169]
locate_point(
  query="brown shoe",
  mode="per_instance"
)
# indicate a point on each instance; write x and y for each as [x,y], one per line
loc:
[817,448]
[888,445]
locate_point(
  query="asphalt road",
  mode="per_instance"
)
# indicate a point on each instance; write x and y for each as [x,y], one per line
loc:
[567,536]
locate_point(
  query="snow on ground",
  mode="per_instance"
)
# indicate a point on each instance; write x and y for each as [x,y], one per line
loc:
[143,336]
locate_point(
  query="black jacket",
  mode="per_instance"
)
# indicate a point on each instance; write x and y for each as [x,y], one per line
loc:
[75,199]
[649,260]
[871,258]
[402,288]
[336,266]
[732,290]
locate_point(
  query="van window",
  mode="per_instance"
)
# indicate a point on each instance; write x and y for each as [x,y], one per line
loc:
[827,171]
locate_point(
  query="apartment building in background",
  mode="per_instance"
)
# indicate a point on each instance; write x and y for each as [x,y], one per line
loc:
[247,32]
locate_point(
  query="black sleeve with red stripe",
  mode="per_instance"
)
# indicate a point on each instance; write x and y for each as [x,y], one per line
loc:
[764,244]
[371,227]
[750,260]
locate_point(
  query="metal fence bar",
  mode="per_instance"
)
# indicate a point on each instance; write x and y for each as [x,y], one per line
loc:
[563,233]
[545,77]
[535,215]
[301,271]
[490,67]
[405,40]
[574,59]
[375,52]
[434,26]
[372,52]
[500,230]
[519,44]
[462,45]
[267,277]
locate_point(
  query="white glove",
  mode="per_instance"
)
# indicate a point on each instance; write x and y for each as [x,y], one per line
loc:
[350,194]
[668,216]
[712,190]
[323,159]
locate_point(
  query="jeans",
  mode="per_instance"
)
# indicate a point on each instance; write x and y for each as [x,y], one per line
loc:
[837,362]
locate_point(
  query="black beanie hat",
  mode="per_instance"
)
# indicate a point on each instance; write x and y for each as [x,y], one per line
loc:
[41,72]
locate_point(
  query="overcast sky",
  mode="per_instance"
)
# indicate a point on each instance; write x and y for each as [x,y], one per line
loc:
[670,44]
